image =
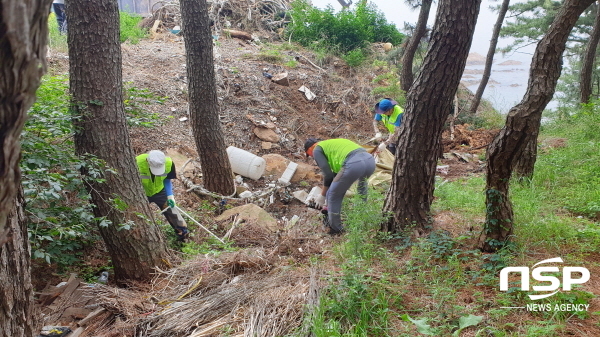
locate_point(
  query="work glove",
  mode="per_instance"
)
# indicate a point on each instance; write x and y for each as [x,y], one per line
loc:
[171,201]
[320,202]
[378,135]
[381,147]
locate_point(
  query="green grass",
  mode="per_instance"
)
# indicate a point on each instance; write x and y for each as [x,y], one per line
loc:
[130,29]
[57,42]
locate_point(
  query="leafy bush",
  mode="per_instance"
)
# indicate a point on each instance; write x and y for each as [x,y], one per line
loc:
[130,29]
[135,99]
[57,201]
[355,57]
[345,31]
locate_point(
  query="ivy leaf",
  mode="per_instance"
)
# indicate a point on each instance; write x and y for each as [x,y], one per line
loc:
[421,325]
[467,321]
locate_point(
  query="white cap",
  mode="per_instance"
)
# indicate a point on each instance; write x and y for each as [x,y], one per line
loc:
[156,161]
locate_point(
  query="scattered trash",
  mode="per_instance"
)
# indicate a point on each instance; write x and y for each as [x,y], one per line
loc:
[300,195]
[176,30]
[316,191]
[288,174]
[309,94]
[267,75]
[183,119]
[55,331]
[442,169]
[103,279]
[245,194]
[245,163]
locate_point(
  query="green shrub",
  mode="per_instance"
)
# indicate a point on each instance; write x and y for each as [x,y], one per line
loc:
[130,29]
[56,199]
[355,58]
[347,30]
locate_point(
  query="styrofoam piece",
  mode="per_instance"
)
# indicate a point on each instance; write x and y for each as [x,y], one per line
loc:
[245,163]
[316,191]
[300,195]
[288,173]
[245,194]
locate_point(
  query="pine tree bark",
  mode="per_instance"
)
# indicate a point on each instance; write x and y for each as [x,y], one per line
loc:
[589,59]
[101,130]
[525,164]
[23,41]
[406,75]
[489,58]
[429,102]
[204,106]
[19,317]
[522,125]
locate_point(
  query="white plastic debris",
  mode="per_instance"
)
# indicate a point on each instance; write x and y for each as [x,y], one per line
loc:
[309,94]
[316,191]
[442,169]
[288,173]
[245,194]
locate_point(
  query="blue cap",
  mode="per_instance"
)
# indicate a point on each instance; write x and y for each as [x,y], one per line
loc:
[383,106]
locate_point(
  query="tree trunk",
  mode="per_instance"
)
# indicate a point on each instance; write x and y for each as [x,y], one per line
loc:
[101,130]
[525,164]
[18,313]
[490,57]
[523,123]
[204,107]
[589,57]
[406,76]
[429,102]
[23,40]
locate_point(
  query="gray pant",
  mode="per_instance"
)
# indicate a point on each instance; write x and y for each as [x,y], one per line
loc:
[358,166]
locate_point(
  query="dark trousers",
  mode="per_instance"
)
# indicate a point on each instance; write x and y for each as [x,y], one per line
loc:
[61,17]
[160,199]
[358,166]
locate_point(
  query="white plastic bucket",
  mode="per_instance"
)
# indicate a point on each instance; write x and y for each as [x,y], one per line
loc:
[245,163]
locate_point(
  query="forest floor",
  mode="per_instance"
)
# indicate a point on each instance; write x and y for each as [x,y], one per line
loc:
[342,108]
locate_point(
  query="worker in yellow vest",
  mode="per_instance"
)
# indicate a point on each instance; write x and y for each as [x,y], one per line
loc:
[342,162]
[157,171]
[390,114]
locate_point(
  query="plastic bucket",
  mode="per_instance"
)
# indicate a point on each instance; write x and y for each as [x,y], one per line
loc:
[245,163]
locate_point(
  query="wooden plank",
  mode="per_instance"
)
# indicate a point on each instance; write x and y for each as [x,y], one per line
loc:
[91,316]
[76,313]
[71,287]
[77,332]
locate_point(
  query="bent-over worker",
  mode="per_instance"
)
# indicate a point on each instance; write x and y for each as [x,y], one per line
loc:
[157,171]
[342,162]
[390,114]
